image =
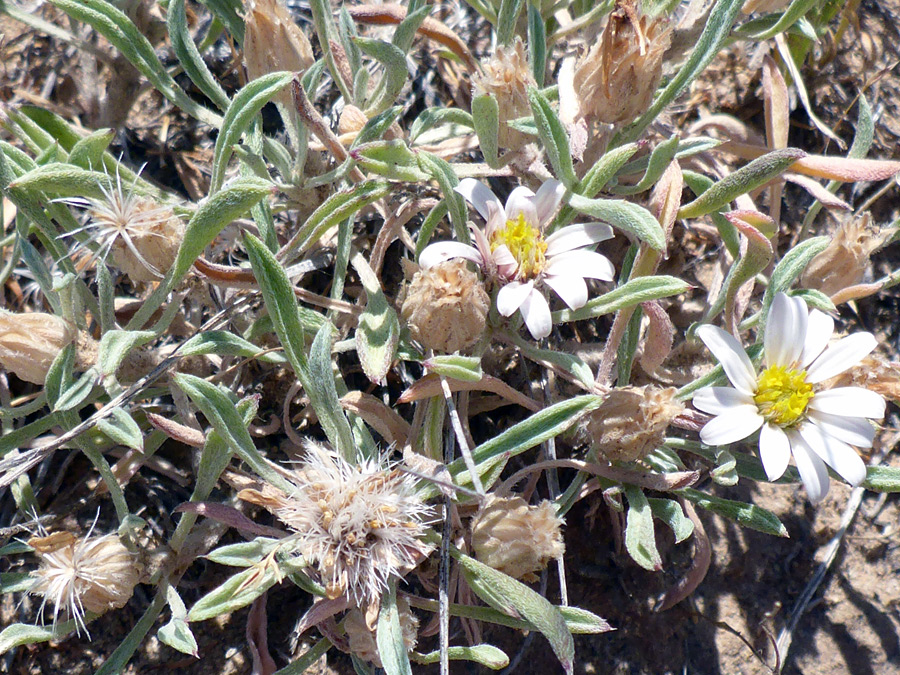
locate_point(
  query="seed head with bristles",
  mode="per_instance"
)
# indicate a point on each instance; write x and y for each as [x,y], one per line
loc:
[360,524]
[142,235]
[82,574]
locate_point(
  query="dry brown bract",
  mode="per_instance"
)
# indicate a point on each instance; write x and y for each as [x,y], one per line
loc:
[30,342]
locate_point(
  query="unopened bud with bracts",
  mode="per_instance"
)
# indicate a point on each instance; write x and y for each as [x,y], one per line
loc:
[361,635]
[508,77]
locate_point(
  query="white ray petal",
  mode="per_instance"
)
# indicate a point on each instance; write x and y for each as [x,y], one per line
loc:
[785,330]
[717,400]
[813,471]
[819,330]
[731,355]
[853,430]
[521,201]
[835,453]
[849,402]
[577,236]
[571,288]
[734,425]
[536,313]
[547,200]
[774,451]
[842,355]
[479,195]
[447,250]
[586,264]
[511,297]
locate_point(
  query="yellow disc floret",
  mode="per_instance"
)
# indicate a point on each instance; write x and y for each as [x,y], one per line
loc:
[526,245]
[782,395]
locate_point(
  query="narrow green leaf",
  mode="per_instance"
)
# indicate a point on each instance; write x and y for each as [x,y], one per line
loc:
[507,18]
[224,417]
[444,174]
[748,515]
[190,58]
[463,368]
[883,479]
[239,591]
[395,73]
[486,120]
[640,537]
[240,114]
[626,216]
[541,426]
[389,635]
[391,159]
[245,554]
[337,207]
[214,214]
[749,177]
[788,18]
[435,117]
[378,330]
[512,597]
[554,138]
[660,158]
[537,44]
[322,391]
[88,151]
[670,512]
[121,427]
[634,292]
[223,343]
[64,180]
[484,655]
[177,634]
[19,634]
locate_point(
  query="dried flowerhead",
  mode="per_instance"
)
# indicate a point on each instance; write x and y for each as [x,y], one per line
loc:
[508,76]
[360,525]
[615,81]
[361,634]
[83,574]
[515,537]
[273,41]
[142,236]
[446,307]
[30,342]
[845,260]
[632,421]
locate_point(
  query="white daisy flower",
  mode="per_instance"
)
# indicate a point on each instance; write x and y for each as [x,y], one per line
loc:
[786,402]
[512,249]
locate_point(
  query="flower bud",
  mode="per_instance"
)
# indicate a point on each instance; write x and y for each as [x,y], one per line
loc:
[362,638]
[83,574]
[154,235]
[508,76]
[446,307]
[30,342]
[632,421]
[273,41]
[845,260]
[615,81]
[516,538]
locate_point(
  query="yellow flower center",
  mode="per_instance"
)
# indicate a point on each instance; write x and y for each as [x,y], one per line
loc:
[526,244]
[782,395]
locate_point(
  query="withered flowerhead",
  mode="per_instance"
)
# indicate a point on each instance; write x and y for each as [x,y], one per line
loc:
[844,261]
[517,538]
[30,342]
[632,421]
[508,76]
[273,41]
[446,307]
[616,79]
[83,574]
[359,525]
